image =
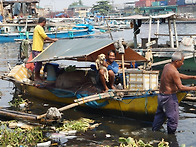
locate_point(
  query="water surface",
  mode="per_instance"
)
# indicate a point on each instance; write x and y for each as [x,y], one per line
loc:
[112,126]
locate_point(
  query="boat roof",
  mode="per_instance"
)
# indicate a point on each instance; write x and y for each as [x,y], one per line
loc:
[83,50]
[134,17]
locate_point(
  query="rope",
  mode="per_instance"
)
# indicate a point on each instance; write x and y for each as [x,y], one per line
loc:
[99,96]
[110,93]
[146,100]
[120,108]
[92,104]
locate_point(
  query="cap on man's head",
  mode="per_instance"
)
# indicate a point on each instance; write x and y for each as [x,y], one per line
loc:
[176,56]
[41,19]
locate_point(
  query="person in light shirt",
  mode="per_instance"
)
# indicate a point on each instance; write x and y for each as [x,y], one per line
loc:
[39,36]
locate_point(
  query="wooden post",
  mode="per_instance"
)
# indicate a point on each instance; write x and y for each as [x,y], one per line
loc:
[135,36]
[175,31]
[158,22]
[150,27]
[109,30]
[123,71]
[170,34]
[16,114]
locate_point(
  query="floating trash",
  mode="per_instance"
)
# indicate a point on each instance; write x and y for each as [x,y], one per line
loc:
[108,135]
[58,137]
[44,144]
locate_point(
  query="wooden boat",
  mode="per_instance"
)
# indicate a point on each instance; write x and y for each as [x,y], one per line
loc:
[22,27]
[140,88]
[162,51]
[12,32]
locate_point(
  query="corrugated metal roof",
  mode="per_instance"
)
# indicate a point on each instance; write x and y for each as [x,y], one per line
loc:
[83,50]
[70,49]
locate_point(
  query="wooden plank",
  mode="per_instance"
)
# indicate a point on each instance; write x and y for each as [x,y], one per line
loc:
[16,114]
[161,62]
[87,99]
[190,99]
[22,116]
[160,34]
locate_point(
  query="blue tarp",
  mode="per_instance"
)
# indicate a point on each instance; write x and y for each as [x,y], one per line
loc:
[100,16]
[60,14]
[1,18]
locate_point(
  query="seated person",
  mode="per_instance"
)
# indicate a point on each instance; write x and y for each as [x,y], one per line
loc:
[112,68]
[134,65]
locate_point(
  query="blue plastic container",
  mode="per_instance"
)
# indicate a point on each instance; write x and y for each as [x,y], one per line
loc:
[163,3]
[180,2]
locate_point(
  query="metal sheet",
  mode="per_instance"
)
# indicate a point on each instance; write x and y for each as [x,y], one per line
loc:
[70,49]
[83,50]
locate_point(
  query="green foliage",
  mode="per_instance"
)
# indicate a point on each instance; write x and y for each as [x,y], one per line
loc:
[18,136]
[80,125]
[137,10]
[103,7]
[70,68]
[80,2]
[34,135]
[163,144]
[76,3]
[17,101]
[130,142]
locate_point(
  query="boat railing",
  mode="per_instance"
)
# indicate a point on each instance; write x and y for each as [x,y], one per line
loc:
[191,35]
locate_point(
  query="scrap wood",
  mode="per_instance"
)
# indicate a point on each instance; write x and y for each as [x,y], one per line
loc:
[21,115]
[87,99]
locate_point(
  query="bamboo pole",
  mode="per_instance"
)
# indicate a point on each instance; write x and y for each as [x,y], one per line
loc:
[158,23]
[15,114]
[80,103]
[129,90]
[170,34]
[91,96]
[109,30]
[135,35]
[123,72]
[150,28]
[161,34]
[176,34]
[42,51]
[22,116]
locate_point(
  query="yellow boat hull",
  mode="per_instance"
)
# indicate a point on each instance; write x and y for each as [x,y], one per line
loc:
[143,104]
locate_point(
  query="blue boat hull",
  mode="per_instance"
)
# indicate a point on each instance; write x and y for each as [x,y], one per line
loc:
[67,34]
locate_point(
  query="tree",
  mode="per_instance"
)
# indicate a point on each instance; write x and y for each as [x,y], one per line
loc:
[80,2]
[76,3]
[103,7]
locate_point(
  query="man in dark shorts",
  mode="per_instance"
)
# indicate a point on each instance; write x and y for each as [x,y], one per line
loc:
[167,99]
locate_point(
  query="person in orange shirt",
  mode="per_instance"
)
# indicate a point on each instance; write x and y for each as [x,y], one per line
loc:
[39,36]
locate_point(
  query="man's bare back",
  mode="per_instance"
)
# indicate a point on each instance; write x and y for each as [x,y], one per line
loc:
[171,79]
[167,99]
[168,85]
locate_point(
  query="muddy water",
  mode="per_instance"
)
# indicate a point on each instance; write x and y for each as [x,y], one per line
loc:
[112,127]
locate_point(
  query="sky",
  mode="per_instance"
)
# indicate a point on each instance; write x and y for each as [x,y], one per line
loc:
[58,5]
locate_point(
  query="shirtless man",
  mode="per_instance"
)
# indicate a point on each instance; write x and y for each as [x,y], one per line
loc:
[167,99]
[112,68]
